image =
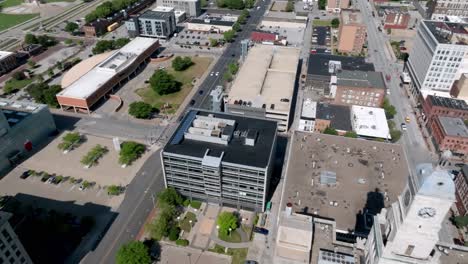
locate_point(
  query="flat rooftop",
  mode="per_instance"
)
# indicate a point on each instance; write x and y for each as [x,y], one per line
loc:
[228,134]
[369,121]
[157,14]
[350,16]
[367,79]
[309,109]
[454,127]
[448,32]
[4,54]
[211,21]
[267,76]
[339,115]
[361,167]
[448,102]
[319,64]
[16,111]
[101,73]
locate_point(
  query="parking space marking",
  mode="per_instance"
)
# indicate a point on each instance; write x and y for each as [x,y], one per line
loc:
[71,188]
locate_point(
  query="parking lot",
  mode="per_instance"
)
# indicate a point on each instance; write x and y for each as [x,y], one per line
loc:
[188,39]
[321,37]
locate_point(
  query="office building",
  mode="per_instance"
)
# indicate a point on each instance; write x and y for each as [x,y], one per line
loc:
[439,9]
[434,106]
[358,88]
[407,231]
[221,158]
[191,7]
[265,84]
[156,24]
[439,57]
[336,6]
[91,80]
[7,61]
[449,133]
[24,126]
[460,88]
[369,122]
[352,32]
[461,190]
[11,249]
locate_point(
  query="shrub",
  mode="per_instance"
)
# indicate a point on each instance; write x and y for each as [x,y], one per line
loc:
[92,157]
[330,131]
[130,151]
[114,190]
[69,141]
[182,242]
[71,27]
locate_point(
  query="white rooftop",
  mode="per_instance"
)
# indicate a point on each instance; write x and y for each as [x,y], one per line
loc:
[92,80]
[309,108]
[369,122]
[4,54]
[163,9]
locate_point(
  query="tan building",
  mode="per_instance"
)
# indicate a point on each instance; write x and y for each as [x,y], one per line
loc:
[352,35]
[11,249]
[460,88]
[335,6]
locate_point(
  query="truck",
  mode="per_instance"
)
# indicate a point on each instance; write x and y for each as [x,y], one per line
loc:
[112,27]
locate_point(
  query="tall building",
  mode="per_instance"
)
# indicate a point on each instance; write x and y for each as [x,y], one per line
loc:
[11,249]
[407,232]
[461,187]
[353,32]
[190,7]
[157,24]
[439,57]
[23,127]
[439,9]
[335,6]
[221,158]
[7,61]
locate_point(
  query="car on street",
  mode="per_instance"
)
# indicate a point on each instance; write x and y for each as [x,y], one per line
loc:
[200,92]
[313,51]
[51,180]
[403,126]
[25,175]
[192,102]
[388,91]
[261,230]
[250,262]
[407,119]
[217,74]
[212,73]
[316,17]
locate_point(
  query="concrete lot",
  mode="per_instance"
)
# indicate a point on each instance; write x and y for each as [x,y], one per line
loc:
[407,35]
[206,224]
[187,37]
[187,255]
[51,160]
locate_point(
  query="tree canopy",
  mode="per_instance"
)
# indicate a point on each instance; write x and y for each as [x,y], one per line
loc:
[225,221]
[71,27]
[231,4]
[229,35]
[233,67]
[170,197]
[106,45]
[134,252]
[330,131]
[390,110]
[335,23]
[140,110]
[43,40]
[44,94]
[69,141]
[164,83]
[181,63]
[108,8]
[130,151]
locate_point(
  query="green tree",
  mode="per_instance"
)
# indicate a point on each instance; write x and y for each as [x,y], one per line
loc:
[102,46]
[46,41]
[322,4]
[69,141]
[225,221]
[170,196]
[390,110]
[120,42]
[59,65]
[249,3]
[51,73]
[233,67]
[140,110]
[19,75]
[460,221]
[227,76]
[245,13]
[71,27]
[32,63]
[289,6]
[44,94]
[30,39]
[91,158]
[182,242]
[204,3]
[229,35]
[68,42]
[351,134]
[395,134]
[220,3]
[236,27]
[134,252]
[181,63]
[164,83]
[213,42]
[130,151]
[335,23]
[242,19]
[114,190]
[174,233]
[161,226]
[330,131]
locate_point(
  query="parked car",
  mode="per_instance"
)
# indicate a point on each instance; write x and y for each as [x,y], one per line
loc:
[200,92]
[403,126]
[81,188]
[250,262]
[25,175]
[192,102]
[407,119]
[261,230]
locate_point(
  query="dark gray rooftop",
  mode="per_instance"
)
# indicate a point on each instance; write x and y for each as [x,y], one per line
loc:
[368,79]
[211,22]
[318,64]
[150,14]
[235,151]
[339,115]
[444,31]
[448,102]
[453,126]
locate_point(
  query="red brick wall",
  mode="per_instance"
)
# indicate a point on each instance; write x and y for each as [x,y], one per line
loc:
[444,142]
[357,91]
[461,187]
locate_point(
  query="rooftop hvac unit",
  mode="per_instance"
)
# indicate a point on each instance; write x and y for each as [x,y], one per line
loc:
[327,177]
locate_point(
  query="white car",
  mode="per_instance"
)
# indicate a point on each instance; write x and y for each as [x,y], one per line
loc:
[388,91]
[211,74]
[403,126]
[217,73]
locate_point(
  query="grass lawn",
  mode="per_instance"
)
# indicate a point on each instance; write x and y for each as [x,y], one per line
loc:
[238,254]
[234,237]
[13,85]
[10,3]
[8,20]
[185,223]
[321,23]
[185,77]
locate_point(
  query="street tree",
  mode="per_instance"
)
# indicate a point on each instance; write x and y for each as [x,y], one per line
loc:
[71,27]
[170,197]
[390,110]
[70,141]
[335,23]
[30,39]
[225,221]
[164,83]
[229,35]
[233,67]
[213,42]
[140,110]
[32,63]
[130,151]
[289,6]
[236,26]
[134,252]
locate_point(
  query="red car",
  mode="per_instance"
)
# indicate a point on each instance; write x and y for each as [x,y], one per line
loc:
[388,77]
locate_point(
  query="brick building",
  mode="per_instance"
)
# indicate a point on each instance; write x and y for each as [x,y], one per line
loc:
[335,6]
[353,32]
[449,133]
[396,20]
[436,105]
[461,188]
[358,88]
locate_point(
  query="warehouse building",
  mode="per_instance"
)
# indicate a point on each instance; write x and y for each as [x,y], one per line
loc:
[23,126]
[93,79]
[221,158]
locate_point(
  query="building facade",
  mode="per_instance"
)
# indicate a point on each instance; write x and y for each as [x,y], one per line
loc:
[461,188]
[438,9]
[439,57]
[191,7]
[156,24]
[335,6]
[11,249]
[221,158]
[7,61]
[352,32]
[449,133]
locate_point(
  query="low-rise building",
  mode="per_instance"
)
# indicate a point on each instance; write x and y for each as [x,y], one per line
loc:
[157,24]
[449,133]
[461,190]
[264,37]
[308,115]
[352,32]
[336,6]
[7,61]
[11,250]
[369,122]
[358,88]
[460,88]
[434,106]
[396,20]
[209,25]
[191,7]
[265,84]
[221,158]
[332,116]
[24,126]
